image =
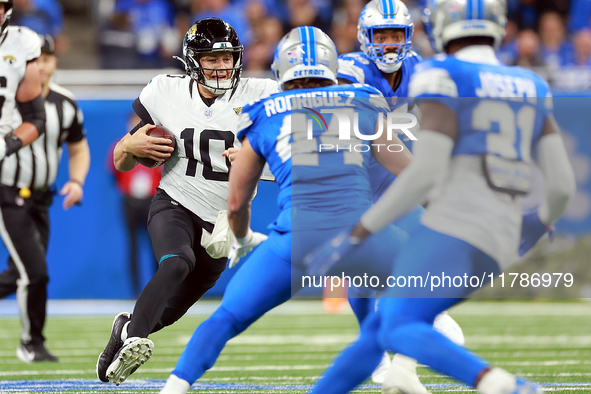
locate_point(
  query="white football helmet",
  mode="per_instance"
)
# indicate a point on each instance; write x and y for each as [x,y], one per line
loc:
[447,20]
[305,52]
[385,14]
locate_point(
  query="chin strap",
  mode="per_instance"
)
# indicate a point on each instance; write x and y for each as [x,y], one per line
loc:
[182,61]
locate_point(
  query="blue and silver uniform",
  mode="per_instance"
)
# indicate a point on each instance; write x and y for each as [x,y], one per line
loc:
[470,228]
[358,68]
[501,111]
[318,181]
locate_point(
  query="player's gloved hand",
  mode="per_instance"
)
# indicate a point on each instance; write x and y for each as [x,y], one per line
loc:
[532,229]
[244,245]
[327,255]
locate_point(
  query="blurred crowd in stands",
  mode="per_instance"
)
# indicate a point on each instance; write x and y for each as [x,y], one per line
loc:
[553,37]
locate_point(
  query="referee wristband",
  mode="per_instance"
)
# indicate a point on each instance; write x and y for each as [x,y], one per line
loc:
[77,181]
[13,144]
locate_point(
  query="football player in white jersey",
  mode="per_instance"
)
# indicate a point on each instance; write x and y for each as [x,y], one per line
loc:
[20,89]
[20,84]
[201,109]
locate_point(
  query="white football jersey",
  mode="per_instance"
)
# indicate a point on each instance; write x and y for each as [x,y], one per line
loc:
[196,175]
[20,46]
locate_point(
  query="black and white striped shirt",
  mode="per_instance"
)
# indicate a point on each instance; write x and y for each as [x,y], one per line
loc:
[35,166]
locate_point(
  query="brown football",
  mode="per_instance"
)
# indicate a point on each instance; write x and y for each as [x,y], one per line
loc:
[160,132]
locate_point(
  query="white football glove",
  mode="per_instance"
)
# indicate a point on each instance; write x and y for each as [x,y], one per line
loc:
[244,245]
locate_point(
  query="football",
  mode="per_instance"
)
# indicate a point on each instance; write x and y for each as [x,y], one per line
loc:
[160,132]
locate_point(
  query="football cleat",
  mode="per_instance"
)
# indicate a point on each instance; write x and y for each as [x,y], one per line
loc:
[402,377]
[523,386]
[134,352]
[30,353]
[115,342]
[175,385]
[379,374]
[499,381]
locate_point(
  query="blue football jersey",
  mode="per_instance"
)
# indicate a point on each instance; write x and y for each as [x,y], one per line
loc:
[322,177]
[500,112]
[358,68]
[501,109]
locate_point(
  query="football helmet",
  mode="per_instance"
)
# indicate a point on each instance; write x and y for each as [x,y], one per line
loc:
[447,20]
[211,35]
[7,14]
[305,52]
[385,14]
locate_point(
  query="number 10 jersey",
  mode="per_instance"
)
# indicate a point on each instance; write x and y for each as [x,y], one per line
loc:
[196,175]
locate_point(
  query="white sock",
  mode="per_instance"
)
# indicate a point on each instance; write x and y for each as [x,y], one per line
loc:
[447,326]
[409,364]
[497,381]
[175,385]
[124,331]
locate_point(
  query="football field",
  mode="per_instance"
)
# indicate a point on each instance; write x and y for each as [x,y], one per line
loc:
[288,349]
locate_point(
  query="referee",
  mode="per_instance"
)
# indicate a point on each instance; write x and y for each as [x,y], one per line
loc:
[26,193]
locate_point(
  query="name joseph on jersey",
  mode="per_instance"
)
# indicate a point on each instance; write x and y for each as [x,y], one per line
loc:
[506,86]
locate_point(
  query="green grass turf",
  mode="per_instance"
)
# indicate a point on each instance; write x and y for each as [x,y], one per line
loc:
[546,342]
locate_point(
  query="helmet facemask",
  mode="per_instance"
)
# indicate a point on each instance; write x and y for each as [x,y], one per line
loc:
[391,61]
[196,71]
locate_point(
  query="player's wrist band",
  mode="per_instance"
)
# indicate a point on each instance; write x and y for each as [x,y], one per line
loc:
[77,181]
[246,239]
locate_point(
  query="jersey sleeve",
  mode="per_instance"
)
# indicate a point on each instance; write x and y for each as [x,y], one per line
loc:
[251,124]
[30,43]
[350,70]
[374,98]
[145,105]
[547,101]
[76,131]
[269,87]
[434,83]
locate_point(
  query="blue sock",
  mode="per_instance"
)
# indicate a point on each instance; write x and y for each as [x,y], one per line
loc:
[206,344]
[408,329]
[355,364]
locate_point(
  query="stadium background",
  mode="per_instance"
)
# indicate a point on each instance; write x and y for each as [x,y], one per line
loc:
[109,49]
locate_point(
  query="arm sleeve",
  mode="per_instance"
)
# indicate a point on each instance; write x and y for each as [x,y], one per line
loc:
[432,154]
[560,185]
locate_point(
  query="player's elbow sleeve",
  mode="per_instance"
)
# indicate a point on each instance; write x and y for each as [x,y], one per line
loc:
[560,184]
[34,112]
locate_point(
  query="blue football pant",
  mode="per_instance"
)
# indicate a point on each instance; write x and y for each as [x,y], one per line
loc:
[363,300]
[265,281]
[405,325]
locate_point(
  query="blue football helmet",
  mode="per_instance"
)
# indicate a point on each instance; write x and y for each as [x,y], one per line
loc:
[385,14]
[305,52]
[447,20]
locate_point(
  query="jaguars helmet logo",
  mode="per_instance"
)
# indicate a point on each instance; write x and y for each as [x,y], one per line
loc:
[238,110]
[10,59]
